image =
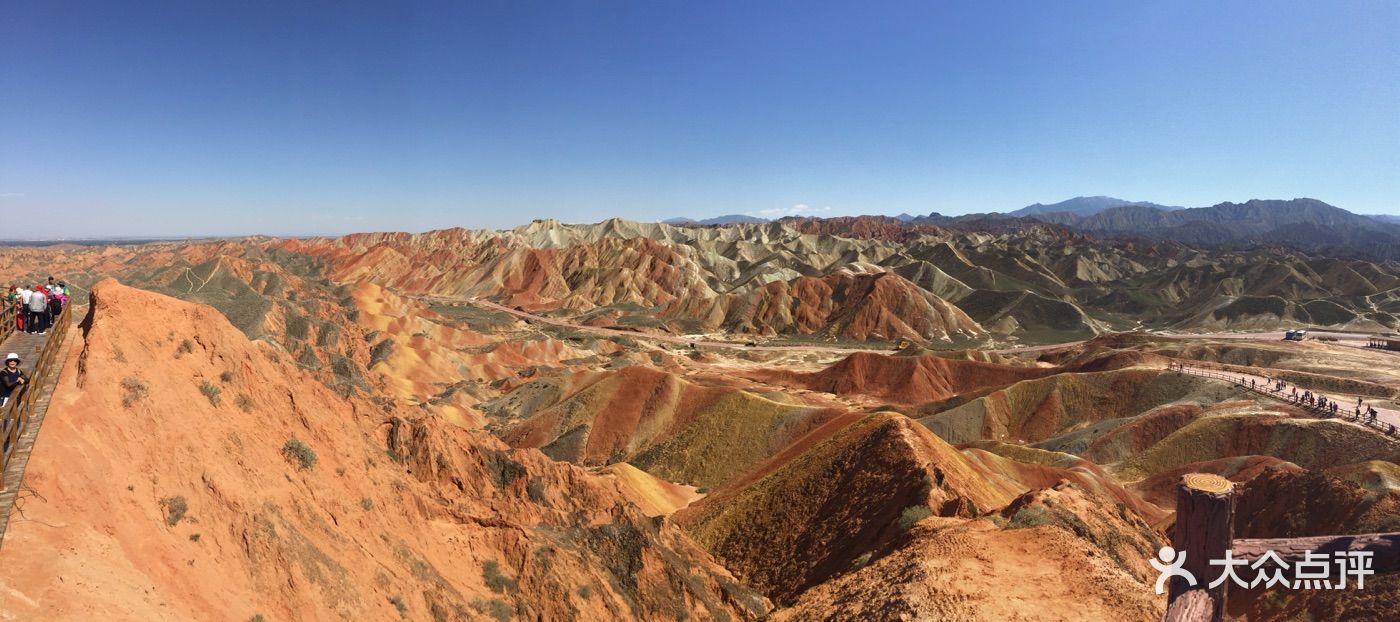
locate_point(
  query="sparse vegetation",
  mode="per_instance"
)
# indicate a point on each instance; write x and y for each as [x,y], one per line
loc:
[499,583]
[186,347]
[913,514]
[211,391]
[367,503]
[133,391]
[226,376]
[244,403]
[297,452]
[496,608]
[400,605]
[175,508]
[862,561]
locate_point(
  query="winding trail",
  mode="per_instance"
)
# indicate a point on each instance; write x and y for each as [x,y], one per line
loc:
[687,341]
[1349,339]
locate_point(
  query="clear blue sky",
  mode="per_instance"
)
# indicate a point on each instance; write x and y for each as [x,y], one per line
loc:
[183,118]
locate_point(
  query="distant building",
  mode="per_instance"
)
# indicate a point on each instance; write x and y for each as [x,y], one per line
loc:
[1384,343]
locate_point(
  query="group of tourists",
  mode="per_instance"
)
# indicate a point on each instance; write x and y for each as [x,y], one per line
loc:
[37,307]
[1316,402]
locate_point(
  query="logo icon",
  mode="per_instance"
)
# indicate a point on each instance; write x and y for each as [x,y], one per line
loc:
[1170,566]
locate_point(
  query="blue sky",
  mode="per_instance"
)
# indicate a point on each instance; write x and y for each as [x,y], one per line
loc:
[189,118]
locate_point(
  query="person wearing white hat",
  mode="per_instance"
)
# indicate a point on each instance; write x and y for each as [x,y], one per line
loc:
[12,378]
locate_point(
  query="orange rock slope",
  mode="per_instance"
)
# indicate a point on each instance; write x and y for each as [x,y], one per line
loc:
[186,473]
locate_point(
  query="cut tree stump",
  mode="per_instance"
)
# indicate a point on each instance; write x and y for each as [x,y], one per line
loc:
[1204,531]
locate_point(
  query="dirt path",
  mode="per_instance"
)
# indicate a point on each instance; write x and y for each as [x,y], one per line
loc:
[687,341]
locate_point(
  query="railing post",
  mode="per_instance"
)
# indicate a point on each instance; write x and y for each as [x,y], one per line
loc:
[1204,531]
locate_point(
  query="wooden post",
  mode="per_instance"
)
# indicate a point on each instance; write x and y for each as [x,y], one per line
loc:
[1205,523]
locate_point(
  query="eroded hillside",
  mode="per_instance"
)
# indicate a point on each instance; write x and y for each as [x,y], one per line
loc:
[807,419]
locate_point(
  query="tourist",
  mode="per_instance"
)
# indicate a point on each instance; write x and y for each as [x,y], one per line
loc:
[11,378]
[55,303]
[38,311]
[12,299]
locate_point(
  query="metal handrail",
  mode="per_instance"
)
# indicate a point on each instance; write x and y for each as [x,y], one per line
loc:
[20,409]
[1296,400]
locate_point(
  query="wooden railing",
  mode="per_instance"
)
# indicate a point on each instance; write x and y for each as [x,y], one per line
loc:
[20,408]
[1204,532]
[1283,395]
[7,320]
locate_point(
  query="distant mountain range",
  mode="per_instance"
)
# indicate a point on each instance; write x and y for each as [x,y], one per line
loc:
[1086,206]
[729,219]
[1305,224]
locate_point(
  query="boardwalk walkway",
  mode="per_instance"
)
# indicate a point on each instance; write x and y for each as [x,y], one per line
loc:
[25,413]
[1387,420]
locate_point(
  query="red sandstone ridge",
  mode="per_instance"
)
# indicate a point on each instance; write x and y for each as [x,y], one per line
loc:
[661,423]
[860,306]
[163,487]
[904,379]
[834,495]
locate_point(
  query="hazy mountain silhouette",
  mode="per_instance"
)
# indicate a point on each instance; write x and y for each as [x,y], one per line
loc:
[1305,224]
[728,219]
[1086,206]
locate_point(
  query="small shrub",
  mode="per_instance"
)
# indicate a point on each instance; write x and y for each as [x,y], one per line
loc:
[175,508]
[703,490]
[257,618]
[186,347]
[367,503]
[226,377]
[194,537]
[133,391]
[400,605]
[496,608]
[297,451]
[586,591]
[499,583]
[130,488]
[244,403]
[913,514]
[210,391]
[393,455]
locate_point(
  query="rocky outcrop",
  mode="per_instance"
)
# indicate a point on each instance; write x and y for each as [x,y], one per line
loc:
[194,474]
